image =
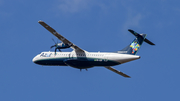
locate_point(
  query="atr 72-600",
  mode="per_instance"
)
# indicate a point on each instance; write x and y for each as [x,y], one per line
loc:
[82,59]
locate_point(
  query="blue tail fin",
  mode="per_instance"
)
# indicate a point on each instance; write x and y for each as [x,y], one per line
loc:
[136,44]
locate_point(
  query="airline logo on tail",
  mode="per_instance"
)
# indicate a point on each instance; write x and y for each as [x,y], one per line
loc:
[135,47]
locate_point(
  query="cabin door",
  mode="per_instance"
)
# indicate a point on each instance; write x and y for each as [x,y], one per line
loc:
[72,55]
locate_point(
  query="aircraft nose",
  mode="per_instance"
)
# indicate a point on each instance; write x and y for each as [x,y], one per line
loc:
[34,59]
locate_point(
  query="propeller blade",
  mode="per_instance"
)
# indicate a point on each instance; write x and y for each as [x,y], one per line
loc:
[54,41]
[52,46]
[55,50]
[59,50]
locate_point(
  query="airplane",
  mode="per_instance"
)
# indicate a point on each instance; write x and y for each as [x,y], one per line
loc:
[82,59]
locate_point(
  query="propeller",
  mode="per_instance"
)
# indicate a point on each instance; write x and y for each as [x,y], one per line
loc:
[56,46]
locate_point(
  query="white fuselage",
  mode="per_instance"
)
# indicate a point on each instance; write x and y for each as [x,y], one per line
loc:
[83,60]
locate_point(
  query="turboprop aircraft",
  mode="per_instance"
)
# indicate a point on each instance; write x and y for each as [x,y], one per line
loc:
[82,59]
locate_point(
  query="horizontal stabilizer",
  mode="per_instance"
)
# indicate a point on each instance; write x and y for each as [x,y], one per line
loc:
[137,35]
[149,42]
[133,32]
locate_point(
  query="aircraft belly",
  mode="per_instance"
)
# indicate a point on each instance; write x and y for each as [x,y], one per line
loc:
[104,63]
[78,63]
[51,61]
[83,63]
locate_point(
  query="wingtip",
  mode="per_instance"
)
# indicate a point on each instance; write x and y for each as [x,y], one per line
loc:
[127,76]
[129,29]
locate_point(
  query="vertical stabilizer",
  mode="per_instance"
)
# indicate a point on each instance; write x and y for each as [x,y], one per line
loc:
[136,43]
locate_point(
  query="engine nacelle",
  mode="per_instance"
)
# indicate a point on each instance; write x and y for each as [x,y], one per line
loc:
[62,46]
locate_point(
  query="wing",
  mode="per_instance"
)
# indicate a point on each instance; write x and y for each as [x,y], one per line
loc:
[59,36]
[116,71]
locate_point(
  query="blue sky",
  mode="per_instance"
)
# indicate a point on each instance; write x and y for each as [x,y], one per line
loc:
[93,25]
